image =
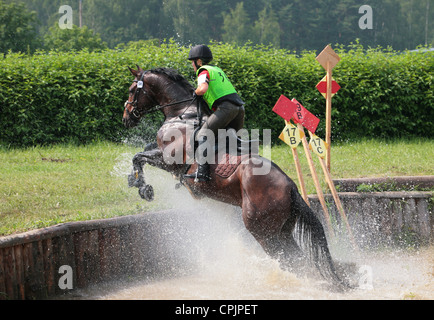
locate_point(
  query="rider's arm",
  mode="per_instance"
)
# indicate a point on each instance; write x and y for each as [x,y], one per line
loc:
[202,83]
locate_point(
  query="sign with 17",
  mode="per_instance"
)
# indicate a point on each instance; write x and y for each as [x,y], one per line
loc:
[291,135]
[318,146]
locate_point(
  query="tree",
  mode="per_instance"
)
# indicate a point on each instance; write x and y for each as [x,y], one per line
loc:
[194,21]
[417,24]
[303,24]
[122,21]
[237,28]
[267,27]
[72,39]
[17,28]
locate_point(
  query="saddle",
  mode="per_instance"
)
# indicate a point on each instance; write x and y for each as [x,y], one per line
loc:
[228,163]
[228,159]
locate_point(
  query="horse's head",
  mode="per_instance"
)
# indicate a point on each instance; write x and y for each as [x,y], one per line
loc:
[161,86]
[139,100]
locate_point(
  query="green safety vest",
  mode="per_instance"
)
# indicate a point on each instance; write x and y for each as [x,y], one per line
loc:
[219,85]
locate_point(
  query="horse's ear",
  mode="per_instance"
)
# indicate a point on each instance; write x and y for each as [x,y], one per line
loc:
[133,72]
[138,68]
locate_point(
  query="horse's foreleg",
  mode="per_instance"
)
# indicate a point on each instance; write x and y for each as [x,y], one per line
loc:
[152,157]
[136,179]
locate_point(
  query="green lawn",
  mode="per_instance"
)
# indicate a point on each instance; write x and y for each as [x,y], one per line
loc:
[364,159]
[44,186]
[47,185]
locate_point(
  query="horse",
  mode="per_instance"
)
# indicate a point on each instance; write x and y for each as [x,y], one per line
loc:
[271,204]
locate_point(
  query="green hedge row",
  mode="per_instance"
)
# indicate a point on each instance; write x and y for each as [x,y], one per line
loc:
[78,97]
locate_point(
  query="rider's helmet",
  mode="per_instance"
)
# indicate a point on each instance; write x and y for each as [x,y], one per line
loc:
[200,52]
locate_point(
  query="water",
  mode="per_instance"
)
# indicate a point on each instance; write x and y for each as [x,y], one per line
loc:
[243,273]
[230,265]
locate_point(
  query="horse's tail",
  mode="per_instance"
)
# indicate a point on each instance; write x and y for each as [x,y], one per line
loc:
[313,241]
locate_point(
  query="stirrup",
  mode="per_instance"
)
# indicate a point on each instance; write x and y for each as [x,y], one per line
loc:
[197,177]
[200,175]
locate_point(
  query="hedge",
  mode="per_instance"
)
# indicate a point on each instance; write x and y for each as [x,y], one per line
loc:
[53,97]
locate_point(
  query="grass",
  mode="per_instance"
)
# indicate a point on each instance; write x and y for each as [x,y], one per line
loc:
[43,186]
[363,159]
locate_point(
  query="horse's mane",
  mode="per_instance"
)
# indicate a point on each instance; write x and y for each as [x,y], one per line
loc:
[173,75]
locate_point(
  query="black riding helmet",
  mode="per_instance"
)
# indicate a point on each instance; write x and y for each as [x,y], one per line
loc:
[200,52]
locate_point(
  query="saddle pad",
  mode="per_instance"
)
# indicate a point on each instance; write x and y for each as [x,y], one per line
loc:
[227,165]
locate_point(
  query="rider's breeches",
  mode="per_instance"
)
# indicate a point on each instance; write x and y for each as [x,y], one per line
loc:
[226,115]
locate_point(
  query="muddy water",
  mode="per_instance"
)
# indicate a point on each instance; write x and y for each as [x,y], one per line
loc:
[240,270]
[229,264]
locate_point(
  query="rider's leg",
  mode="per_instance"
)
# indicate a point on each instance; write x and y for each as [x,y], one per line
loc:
[226,114]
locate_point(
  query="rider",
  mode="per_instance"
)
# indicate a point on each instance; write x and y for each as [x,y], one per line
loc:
[221,97]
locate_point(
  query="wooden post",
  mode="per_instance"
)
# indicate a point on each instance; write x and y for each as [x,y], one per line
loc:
[329,113]
[328,60]
[337,200]
[292,137]
[320,148]
[300,176]
[316,181]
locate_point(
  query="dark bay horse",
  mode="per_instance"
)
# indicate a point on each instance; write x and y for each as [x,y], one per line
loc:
[271,204]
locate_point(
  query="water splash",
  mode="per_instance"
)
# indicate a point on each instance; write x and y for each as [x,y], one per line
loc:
[123,165]
[229,263]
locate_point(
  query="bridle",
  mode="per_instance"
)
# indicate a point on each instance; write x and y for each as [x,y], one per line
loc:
[139,88]
[136,114]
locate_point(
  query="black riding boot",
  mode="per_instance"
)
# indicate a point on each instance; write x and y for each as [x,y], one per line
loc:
[202,173]
[203,170]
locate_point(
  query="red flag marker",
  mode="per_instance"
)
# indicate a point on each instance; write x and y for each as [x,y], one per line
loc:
[322,87]
[304,117]
[285,108]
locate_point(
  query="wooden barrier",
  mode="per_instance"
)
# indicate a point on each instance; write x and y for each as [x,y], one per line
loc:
[407,183]
[96,251]
[381,219]
[165,243]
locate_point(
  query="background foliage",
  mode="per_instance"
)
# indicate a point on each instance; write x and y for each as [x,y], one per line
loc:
[290,24]
[79,96]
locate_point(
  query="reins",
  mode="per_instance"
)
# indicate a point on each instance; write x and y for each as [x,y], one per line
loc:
[172,104]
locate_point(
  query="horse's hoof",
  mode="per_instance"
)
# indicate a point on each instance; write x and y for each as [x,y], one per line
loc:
[135,180]
[147,192]
[131,180]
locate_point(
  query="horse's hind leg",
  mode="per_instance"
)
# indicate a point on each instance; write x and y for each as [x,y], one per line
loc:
[267,215]
[292,257]
[285,250]
[272,228]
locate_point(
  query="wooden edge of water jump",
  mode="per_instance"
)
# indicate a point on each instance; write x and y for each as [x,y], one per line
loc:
[76,226]
[350,185]
[386,194]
